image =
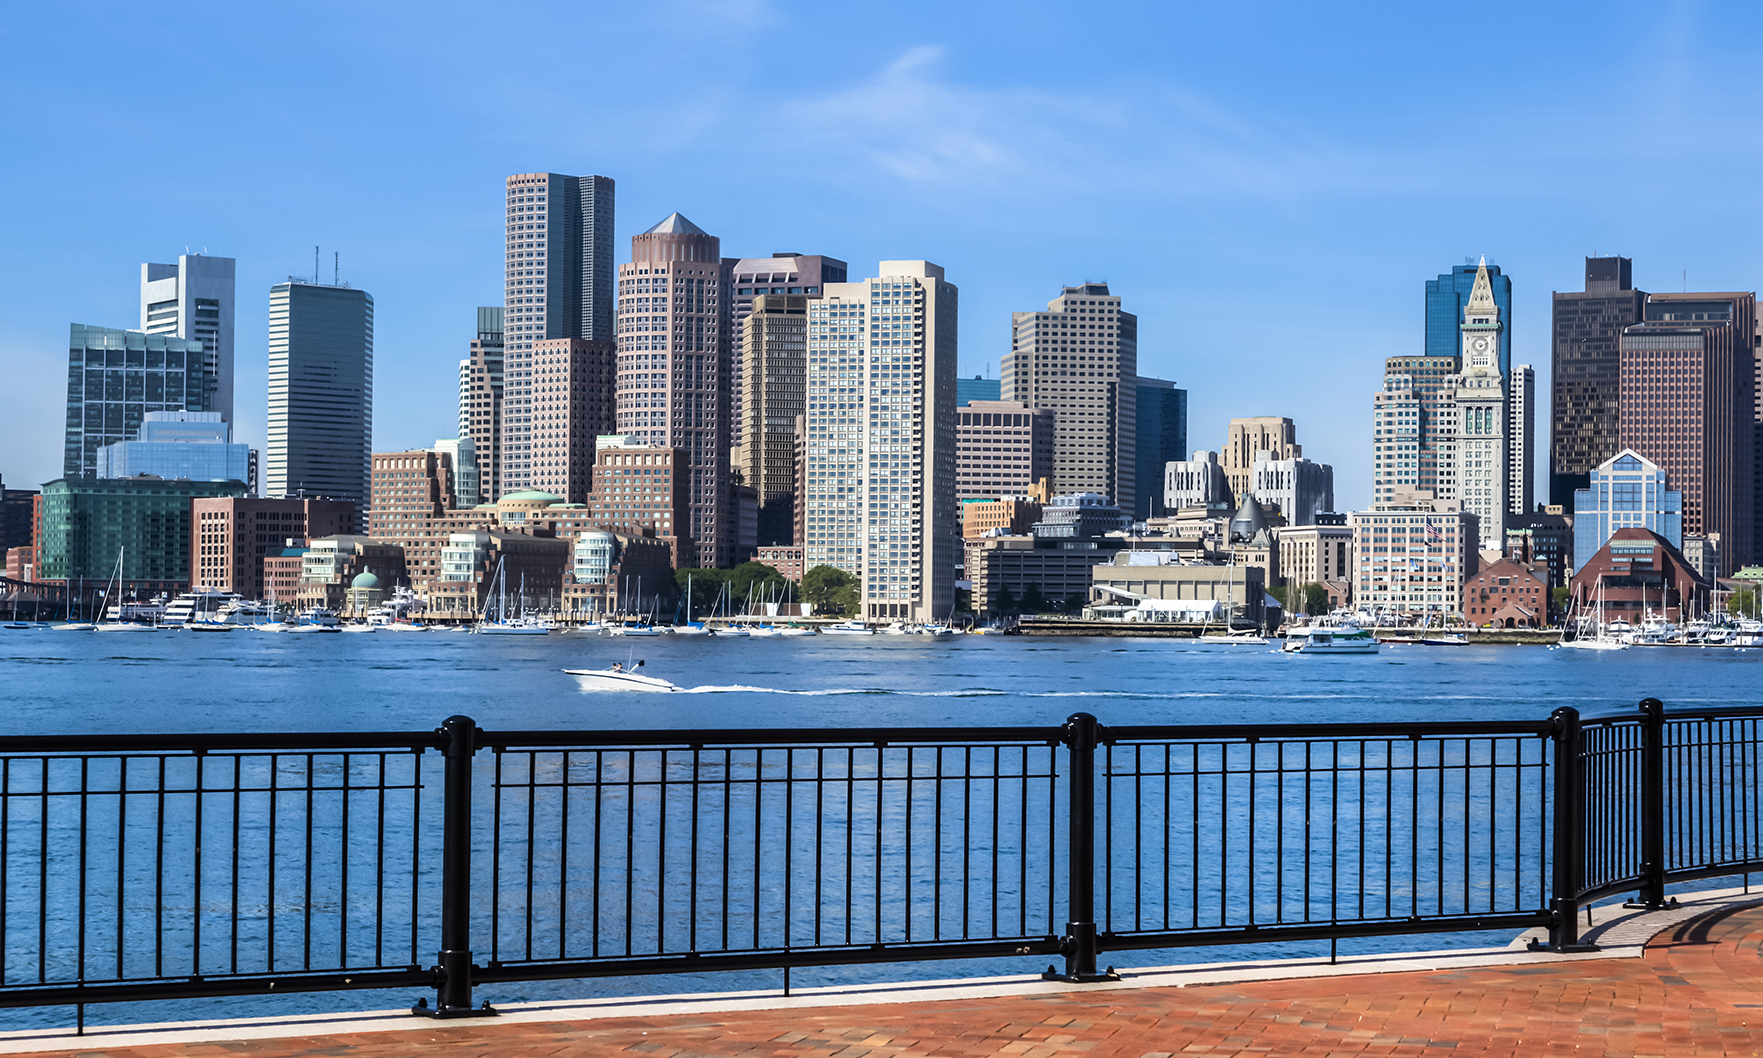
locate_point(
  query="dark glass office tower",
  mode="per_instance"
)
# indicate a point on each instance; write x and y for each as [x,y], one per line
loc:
[320,392]
[1445,298]
[114,377]
[1585,406]
[1162,438]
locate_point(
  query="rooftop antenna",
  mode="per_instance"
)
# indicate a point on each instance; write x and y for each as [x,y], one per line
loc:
[315,266]
[335,258]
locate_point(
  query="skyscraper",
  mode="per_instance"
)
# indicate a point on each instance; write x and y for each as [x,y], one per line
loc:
[1447,297]
[570,381]
[754,277]
[774,360]
[1244,442]
[1584,380]
[194,299]
[1479,460]
[1412,430]
[1002,449]
[320,392]
[1080,359]
[1521,386]
[114,378]
[1687,373]
[879,475]
[480,402]
[674,360]
[559,284]
[1162,439]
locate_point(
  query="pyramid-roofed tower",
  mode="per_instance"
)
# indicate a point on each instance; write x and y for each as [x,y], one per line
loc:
[676,224]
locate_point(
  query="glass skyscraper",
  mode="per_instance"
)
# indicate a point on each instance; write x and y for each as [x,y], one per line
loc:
[1628,491]
[320,392]
[1448,295]
[114,378]
[1162,438]
[179,444]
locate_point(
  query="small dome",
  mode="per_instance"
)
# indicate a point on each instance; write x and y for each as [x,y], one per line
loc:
[534,496]
[365,580]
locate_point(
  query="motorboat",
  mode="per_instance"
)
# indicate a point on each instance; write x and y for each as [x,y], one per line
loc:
[619,678]
[848,628]
[321,616]
[638,629]
[357,627]
[313,626]
[1247,637]
[1344,639]
[799,630]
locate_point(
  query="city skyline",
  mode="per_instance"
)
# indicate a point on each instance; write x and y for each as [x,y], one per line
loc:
[1192,271]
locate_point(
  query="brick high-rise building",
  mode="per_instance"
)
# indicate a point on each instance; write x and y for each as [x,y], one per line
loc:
[410,491]
[1687,394]
[1080,360]
[1585,401]
[774,356]
[231,537]
[559,284]
[674,363]
[570,405]
[480,401]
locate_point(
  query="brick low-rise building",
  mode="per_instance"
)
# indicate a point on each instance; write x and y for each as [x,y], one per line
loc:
[1507,594]
[232,536]
[786,560]
[1638,572]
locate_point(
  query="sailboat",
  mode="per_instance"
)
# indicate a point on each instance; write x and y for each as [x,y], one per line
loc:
[1248,636]
[502,626]
[689,627]
[71,625]
[113,589]
[1602,638]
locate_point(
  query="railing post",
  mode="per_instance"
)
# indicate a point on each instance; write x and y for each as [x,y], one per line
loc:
[1652,888]
[1569,843]
[1082,737]
[453,991]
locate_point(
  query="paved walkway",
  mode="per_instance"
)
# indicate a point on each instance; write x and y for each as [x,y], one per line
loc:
[1695,988]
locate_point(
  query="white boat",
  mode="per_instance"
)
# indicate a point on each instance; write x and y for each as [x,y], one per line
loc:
[898,628]
[1246,638]
[732,632]
[503,625]
[941,631]
[1322,640]
[1611,636]
[619,678]
[310,628]
[638,629]
[848,628]
[693,628]
[799,630]
[75,626]
[764,631]
[358,628]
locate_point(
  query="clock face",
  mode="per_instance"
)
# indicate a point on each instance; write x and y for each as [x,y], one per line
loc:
[1480,344]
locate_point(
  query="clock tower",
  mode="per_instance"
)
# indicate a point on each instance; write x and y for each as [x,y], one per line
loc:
[1480,451]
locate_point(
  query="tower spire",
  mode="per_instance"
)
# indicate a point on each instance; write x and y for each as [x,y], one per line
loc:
[1481,296]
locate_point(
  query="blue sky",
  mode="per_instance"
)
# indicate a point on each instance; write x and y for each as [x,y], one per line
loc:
[1268,186]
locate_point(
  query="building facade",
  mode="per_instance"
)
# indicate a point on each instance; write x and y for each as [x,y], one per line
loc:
[193,299]
[411,490]
[879,465]
[1162,437]
[1480,417]
[320,392]
[89,523]
[114,378]
[532,570]
[462,455]
[480,402]
[786,560]
[1196,482]
[643,489]
[1413,557]
[1626,491]
[1447,300]
[179,444]
[1585,399]
[17,517]
[1251,439]
[968,390]
[1544,537]
[774,358]
[751,278]
[1003,448]
[1300,488]
[232,540]
[333,565]
[1008,517]
[674,360]
[1317,553]
[1521,387]
[1413,428]
[1637,574]
[1507,594]
[559,288]
[1080,360]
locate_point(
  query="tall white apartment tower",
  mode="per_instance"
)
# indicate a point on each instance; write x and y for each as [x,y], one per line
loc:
[1521,440]
[194,299]
[879,474]
[1080,358]
[1479,406]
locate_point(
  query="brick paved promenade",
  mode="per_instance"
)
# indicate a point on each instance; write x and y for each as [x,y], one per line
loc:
[1695,989]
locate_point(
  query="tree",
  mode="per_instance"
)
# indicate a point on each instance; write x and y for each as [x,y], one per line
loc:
[1742,602]
[831,590]
[1315,600]
[1004,601]
[706,586]
[1033,601]
[1280,594]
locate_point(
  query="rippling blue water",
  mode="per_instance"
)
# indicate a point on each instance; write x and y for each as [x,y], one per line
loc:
[60,682]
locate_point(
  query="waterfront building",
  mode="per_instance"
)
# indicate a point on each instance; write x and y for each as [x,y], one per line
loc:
[461,454]
[1477,460]
[1196,482]
[1543,536]
[781,275]
[1300,488]
[1507,594]
[1687,377]
[606,570]
[320,392]
[1161,436]
[1080,360]
[1083,514]
[281,576]
[533,571]
[1521,387]
[1007,571]
[232,539]
[568,402]
[1625,491]
[1703,554]
[786,560]
[193,299]
[1585,398]
[17,517]
[87,522]
[644,490]
[179,444]
[673,368]
[1638,572]
[114,378]
[968,390]
[349,573]
[1413,555]
[1250,439]
[411,490]
[1002,448]
[1413,427]
[879,470]
[774,355]
[1320,552]
[1009,516]
[21,564]
[558,283]
[1159,586]
[480,402]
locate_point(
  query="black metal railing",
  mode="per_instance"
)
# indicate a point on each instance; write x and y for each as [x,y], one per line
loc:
[149,867]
